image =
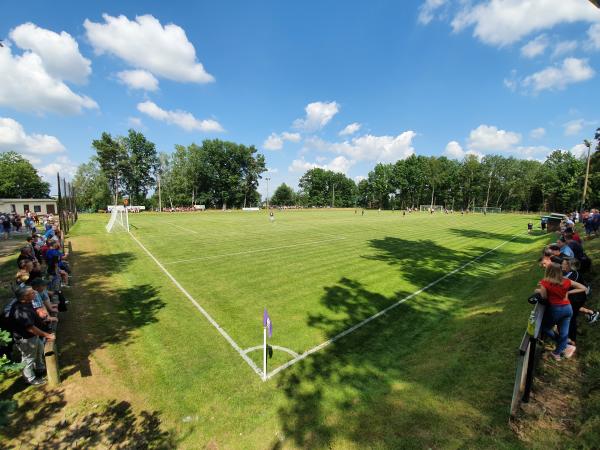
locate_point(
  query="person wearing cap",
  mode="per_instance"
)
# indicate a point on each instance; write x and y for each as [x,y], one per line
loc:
[27,334]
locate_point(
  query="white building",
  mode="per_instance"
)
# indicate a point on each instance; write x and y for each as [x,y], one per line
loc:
[22,205]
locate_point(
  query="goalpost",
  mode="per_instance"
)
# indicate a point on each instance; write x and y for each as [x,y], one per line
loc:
[119,219]
[487,210]
[429,207]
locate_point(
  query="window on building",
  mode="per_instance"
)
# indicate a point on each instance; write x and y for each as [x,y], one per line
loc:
[13,208]
[25,208]
[50,209]
[37,208]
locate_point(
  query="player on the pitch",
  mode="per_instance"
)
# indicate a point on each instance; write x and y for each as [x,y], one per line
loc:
[272,217]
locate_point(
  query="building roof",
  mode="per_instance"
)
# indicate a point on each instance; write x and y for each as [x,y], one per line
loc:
[6,200]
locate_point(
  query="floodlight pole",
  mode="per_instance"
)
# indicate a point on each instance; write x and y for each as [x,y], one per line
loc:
[588,144]
[268,179]
[333,197]
[159,195]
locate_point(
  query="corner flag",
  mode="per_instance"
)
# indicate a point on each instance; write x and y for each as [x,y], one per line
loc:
[267,323]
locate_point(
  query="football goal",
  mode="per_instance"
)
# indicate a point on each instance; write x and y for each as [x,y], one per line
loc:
[429,207]
[487,210]
[119,219]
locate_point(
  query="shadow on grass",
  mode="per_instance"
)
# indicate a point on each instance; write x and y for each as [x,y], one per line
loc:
[99,314]
[422,376]
[40,423]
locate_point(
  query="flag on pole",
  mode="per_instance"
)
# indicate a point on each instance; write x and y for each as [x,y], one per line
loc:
[267,323]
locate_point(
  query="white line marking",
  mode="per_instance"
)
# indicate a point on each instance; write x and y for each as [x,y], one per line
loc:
[253,251]
[275,347]
[203,311]
[184,229]
[380,313]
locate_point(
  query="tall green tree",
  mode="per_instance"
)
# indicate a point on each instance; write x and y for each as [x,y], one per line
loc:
[320,187]
[19,179]
[91,187]
[284,196]
[140,163]
[112,158]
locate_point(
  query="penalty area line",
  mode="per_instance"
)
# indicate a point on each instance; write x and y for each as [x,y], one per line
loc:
[379,314]
[208,317]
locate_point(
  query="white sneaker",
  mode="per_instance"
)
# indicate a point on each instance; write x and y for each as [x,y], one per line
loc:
[569,351]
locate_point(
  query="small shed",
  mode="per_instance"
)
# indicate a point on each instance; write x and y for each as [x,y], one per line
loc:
[22,205]
[553,221]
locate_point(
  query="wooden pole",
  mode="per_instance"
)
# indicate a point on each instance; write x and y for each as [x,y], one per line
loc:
[51,363]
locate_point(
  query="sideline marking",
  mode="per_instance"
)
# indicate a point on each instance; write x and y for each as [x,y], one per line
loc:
[203,311]
[380,313]
[177,261]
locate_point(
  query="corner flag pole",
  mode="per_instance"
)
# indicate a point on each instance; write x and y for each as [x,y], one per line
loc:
[265,353]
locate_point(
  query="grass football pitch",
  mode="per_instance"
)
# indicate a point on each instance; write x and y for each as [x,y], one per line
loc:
[436,371]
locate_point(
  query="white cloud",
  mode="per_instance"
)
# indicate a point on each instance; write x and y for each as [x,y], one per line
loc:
[14,138]
[428,9]
[454,150]
[502,22]
[146,44]
[594,36]
[350,129]
[369,147]
[535,47]
[318,114]
[359,178]
[489,138]
[537,152]
[26,85]
[275,141]
[573,127]
[338,164]
[538,133]
[572,70]
[180,118]
[138,79]
[579,150]
[62,165]
[564,47]
[58,52]
[135,122]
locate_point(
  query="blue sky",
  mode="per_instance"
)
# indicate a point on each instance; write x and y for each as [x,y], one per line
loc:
[429,77]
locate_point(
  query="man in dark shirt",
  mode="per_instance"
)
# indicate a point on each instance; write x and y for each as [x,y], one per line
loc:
[27,335]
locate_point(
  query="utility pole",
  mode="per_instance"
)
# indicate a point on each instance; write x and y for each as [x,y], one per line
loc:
[588,144]
[268,179]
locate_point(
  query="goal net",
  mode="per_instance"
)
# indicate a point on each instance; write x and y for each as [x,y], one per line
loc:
[488,210]
[429,207]
[119,220]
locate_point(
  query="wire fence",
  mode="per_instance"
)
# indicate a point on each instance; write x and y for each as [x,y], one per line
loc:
[67,204]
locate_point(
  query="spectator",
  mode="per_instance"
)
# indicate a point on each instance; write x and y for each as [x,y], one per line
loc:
[577,300]
[565,250]
[27,334]
[556,290]
[5,223]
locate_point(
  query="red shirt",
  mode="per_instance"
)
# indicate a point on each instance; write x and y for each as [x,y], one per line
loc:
[557,292]
[576,237]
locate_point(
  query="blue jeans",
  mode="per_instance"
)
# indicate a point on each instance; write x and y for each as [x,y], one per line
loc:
[561,316]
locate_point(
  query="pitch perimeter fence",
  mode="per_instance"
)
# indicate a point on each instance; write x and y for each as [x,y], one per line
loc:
[528,356]
[67,204]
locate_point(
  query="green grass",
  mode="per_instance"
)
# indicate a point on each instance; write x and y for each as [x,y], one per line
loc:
[436,372]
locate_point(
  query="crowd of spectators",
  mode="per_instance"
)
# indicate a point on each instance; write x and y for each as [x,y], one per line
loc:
[564,289]
[31,315]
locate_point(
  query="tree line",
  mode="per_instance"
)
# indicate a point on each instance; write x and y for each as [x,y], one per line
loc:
[223,174]
[216,173]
